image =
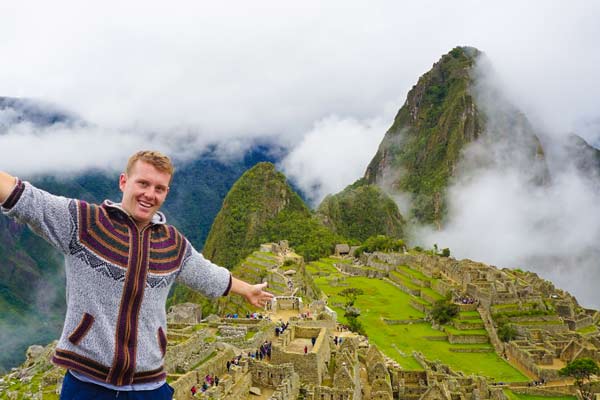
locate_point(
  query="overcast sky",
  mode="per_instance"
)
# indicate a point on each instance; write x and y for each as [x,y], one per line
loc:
[324,79]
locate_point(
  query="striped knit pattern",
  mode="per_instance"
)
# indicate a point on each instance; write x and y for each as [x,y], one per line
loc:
[109,238]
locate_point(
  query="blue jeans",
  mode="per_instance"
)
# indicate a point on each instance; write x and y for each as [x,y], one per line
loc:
[74,389]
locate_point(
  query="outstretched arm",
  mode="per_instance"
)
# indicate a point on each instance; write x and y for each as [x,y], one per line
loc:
[254,294]
[7,183]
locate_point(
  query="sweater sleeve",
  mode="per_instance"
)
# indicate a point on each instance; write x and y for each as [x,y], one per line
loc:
[204,276]
[47,215]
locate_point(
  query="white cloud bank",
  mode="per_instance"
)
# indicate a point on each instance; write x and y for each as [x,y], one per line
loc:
[333,154]
[315,77]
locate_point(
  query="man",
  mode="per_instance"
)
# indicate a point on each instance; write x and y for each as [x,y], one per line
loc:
[121,259]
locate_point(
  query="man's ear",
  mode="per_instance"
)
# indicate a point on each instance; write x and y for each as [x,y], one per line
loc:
[122,181]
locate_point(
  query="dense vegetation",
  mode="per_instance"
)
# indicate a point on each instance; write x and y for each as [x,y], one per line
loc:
[261,207]
[443,311]
[361,211]
[428,134]
[380,243]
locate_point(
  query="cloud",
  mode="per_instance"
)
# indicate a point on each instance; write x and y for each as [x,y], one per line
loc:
[332,154]
[264,69]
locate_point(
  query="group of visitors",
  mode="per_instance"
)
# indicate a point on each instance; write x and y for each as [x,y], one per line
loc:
[254,315]
[541,382]
[209,380]
[337,340]
[233,361]
[279,329]
[263,352]
[466,300]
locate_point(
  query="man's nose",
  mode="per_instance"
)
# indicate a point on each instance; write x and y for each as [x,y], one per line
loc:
[149,192]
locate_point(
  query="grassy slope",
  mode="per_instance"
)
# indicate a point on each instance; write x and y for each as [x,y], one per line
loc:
[384,301]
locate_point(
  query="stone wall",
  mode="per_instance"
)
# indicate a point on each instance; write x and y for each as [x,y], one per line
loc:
[491,329]
[329,393]
[186,313]
[418,306]
[267,375]
[524,358]
[216,366]
[358,270]
[548,391]
[319,323]
[580,323]
[412,377]
[288,389]
[311,366]
[523,328]
[467,339]
[185,355]
[428,298]
[403,321]
[442,287]
[464,325]
[471,350]
[396,281]
[287,303]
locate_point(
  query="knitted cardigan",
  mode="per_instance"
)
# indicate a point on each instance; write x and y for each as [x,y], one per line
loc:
[118,279]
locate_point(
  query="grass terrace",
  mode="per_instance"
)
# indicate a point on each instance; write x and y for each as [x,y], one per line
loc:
[515,396]
[383,301]
[588,330]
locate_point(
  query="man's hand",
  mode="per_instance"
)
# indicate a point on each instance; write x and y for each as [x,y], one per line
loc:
[254,294]
[7,183]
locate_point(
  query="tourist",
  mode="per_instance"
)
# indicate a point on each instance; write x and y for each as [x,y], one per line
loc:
[305,349]
[194,390]
[110,254]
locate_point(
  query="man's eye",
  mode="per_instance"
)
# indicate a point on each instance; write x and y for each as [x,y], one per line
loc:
[143,184]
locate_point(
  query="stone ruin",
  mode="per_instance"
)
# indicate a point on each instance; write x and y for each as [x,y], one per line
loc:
[355,369]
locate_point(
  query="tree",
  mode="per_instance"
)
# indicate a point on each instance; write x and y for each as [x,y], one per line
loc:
[351,294]
[580,369]
[507,332]
[443,311]
[352,313]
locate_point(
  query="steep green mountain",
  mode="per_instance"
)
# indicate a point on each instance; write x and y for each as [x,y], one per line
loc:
[450,107]
[261,207]
[361,211]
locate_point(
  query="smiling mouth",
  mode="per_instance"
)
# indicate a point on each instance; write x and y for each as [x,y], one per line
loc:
[144,204]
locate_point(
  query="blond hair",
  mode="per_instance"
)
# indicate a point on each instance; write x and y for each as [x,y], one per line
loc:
[154,158]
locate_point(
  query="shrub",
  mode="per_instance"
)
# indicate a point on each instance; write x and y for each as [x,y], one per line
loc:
[507,332]
[443,311]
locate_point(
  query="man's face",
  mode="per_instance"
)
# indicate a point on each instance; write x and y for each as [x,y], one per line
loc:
[144,190]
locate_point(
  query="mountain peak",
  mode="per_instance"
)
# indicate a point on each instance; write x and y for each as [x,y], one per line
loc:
[448,109]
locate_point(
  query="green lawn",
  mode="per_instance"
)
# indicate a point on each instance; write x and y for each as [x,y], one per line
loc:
[382,300]
[416,274]
[516,396]
[589,329]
